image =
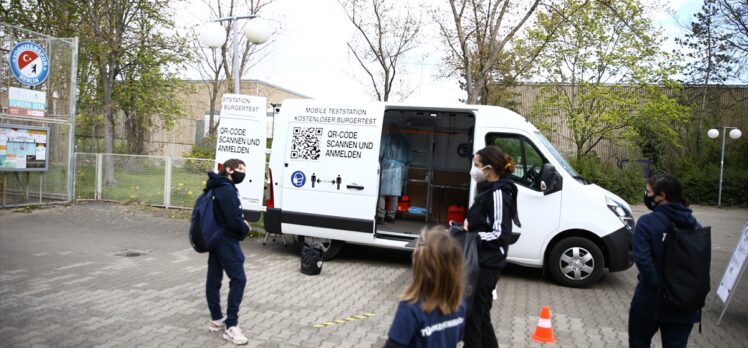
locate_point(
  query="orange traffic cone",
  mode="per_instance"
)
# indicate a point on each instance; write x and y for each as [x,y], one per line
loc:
[544,332]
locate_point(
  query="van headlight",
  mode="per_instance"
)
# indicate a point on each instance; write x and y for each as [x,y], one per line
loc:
[621,212]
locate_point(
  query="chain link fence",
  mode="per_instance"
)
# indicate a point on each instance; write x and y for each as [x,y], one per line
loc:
[171,182]
[18,185]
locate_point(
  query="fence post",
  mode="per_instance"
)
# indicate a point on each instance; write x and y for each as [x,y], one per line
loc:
[99,176]
[41,186]
[167,182]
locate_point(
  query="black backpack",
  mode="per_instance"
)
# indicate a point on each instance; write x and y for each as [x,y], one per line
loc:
[311,259]
[685,272]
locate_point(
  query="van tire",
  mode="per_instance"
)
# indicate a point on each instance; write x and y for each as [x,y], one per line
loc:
[330,247]
[576,262]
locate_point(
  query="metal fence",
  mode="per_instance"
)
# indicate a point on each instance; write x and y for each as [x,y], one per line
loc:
[20,188]
[171,182]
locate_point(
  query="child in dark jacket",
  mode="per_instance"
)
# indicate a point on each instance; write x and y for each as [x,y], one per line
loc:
[227,256]
[431,313]
[648,311]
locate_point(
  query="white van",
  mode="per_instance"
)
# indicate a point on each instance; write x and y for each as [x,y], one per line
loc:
[324,178]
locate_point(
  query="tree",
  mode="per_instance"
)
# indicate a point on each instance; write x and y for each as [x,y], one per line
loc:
[607,74]
[121,42]
[148,85]
[734,14]
[477,36]
[710,62]
[385,34]
[215,65]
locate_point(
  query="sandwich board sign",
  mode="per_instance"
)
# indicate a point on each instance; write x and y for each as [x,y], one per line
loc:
[734,271]
[242,134]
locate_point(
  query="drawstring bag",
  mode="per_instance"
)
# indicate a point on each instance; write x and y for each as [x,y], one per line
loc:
[311,258]
[469,242]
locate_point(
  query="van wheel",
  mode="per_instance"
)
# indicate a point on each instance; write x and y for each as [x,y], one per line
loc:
[576,262]
[330,247]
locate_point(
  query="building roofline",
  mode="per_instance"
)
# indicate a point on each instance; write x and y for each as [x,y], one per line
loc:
[268,84]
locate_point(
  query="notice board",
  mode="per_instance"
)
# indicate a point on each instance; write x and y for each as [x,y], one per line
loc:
[24,148]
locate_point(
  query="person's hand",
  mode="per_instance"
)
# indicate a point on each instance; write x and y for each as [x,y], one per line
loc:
[465,225]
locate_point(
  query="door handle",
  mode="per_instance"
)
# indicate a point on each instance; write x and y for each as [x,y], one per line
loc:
[354,187]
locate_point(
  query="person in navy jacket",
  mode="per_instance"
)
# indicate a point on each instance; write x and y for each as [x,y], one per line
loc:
[648,311]
[431,313]
[227,256]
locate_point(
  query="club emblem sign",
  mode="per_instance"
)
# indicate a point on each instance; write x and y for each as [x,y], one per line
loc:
[29,63]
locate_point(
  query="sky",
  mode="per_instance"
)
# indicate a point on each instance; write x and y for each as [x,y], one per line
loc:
[309,55]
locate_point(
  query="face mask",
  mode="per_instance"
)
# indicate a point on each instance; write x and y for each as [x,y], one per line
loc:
[649,202]
[477,174]
[237,177]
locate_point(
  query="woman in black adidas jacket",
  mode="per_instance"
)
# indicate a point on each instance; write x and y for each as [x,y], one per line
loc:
[491,217]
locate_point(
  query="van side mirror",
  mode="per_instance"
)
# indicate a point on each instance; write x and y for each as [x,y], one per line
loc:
[550,180]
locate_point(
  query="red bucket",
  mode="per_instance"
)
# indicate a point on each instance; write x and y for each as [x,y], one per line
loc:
[455,213]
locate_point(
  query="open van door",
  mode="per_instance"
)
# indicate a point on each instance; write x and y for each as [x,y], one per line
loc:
[330,180]
[242,134]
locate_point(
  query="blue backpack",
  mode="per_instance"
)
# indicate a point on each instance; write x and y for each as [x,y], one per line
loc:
[204,231]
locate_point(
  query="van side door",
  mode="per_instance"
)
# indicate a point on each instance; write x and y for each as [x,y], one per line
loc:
[331,169]
[538,213]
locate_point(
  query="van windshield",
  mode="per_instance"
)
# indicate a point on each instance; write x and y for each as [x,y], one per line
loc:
[560,159]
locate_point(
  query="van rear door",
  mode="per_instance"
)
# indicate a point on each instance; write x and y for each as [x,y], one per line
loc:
[242,134]
[330,178]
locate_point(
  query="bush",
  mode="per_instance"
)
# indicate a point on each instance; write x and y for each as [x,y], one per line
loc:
[628,183]
[701,183]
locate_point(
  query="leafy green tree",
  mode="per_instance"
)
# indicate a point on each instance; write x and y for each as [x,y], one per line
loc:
[147,89]
[127,49]
[607,74]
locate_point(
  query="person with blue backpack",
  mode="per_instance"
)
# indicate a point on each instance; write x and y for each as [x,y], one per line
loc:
[650,310]
[227,255]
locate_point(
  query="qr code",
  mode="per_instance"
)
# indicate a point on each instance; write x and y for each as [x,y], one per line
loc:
[305,143]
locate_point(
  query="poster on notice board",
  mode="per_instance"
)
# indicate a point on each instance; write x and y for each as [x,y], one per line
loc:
[23,148]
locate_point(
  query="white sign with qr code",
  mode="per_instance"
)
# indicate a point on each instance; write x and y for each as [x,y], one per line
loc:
[242,134]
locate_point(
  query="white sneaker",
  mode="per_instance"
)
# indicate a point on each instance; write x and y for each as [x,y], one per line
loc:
[217,325]
[234,335]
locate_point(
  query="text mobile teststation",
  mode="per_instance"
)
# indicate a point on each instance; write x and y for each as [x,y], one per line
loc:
[242,134]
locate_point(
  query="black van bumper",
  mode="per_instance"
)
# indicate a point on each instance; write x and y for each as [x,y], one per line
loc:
[618,244]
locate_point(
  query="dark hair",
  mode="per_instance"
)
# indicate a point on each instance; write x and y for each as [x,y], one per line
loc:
[670,185]
[232,163]
[501,162]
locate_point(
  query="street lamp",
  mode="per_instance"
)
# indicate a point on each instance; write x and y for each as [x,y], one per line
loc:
[713,133]
[213,35]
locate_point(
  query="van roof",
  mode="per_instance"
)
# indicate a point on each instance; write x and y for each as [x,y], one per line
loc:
[508,117]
